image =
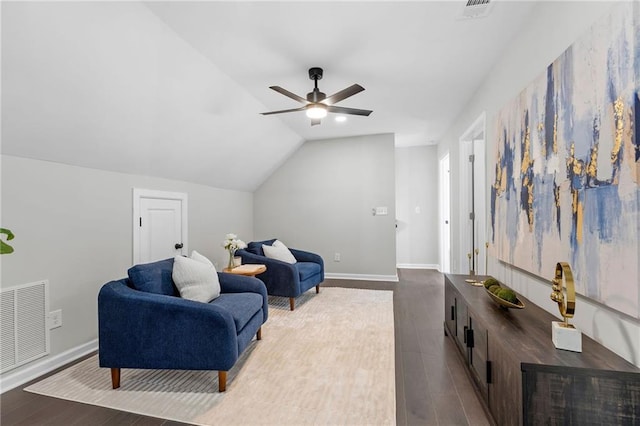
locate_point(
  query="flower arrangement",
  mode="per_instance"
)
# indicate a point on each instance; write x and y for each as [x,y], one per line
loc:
[231,244]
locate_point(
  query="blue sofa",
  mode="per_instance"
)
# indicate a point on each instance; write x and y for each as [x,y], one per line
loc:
[144,323]
[282,278]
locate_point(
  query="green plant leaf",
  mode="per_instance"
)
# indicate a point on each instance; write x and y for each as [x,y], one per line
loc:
[4,247]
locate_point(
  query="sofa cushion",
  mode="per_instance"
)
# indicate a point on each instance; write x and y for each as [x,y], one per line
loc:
[307,269]
[278,252]
[154,277]
[241,306]
[255,247]
[196,278]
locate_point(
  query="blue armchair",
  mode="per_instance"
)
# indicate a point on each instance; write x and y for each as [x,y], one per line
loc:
[282,278]
[143,323]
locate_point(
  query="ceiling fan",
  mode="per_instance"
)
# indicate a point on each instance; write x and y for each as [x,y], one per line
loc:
[317,104]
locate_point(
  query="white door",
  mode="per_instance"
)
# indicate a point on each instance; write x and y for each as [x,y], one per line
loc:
[445,220]
[159,225]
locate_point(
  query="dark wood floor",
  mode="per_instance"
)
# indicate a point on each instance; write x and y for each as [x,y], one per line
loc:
[432,387]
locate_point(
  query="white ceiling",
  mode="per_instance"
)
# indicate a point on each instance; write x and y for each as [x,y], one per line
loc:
[174,89]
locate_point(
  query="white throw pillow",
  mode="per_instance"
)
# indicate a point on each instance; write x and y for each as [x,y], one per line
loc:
[278,251]
[196,278]
[278,243]
[200,258]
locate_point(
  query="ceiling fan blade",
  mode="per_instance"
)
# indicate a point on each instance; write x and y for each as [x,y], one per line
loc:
[283,111]
[343,94]
[289,94]
[345,110]
[315,121]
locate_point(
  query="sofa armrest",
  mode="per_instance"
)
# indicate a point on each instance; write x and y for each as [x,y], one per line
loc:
[286,270]
[230,283]
[281,278]
[305,256]
[147,330]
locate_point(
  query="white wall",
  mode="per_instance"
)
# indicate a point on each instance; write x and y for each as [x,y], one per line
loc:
[417,236]
[73,226]
[85,81]
[321,200]
[552,27]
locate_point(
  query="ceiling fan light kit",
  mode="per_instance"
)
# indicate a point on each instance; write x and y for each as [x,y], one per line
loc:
[317,104]
[317,111]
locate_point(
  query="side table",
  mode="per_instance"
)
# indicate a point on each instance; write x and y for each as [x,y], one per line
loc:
[249,269]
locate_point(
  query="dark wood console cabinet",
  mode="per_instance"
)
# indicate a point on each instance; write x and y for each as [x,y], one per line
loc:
[522,378]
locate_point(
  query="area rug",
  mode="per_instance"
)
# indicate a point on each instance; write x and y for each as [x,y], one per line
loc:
[331,361]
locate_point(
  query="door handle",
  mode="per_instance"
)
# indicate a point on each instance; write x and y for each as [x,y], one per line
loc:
[469,338]
[178,246]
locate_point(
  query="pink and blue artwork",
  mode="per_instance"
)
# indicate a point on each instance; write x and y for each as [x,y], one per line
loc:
[566,185]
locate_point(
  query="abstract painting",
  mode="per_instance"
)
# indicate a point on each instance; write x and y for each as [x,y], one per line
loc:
[566,185]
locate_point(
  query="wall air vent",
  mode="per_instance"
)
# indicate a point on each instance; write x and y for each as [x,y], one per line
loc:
[23,324]
[476,9]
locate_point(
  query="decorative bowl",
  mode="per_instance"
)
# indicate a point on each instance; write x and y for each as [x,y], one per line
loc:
[504,303]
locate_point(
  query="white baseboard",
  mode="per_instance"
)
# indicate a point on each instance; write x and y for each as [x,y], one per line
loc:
[418,266]
[38,368]
[363,277]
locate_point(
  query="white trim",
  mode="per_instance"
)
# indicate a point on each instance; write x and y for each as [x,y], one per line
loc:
[418,266]
[139,193]
[444,196]
[37,369]
[464,204]
[364,277]
[472,140]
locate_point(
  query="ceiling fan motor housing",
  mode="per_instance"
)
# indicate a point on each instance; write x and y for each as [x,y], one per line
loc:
[315,96]
[315,73]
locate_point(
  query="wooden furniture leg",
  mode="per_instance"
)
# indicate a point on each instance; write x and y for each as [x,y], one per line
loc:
[222,381]
[259,334]
[115,378]
[318,289]
[292,303]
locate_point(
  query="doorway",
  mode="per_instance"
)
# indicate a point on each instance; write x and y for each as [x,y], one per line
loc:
[473,247]
[159,225]
[445,220]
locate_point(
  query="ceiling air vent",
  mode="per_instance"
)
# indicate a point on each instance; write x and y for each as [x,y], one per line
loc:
[476,9]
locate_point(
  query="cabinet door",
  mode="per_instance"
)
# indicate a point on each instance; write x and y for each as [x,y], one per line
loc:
[461,325]
[478,352]
[450,309]
[505,392]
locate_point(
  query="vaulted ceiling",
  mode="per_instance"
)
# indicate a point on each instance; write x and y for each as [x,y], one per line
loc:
[175,89]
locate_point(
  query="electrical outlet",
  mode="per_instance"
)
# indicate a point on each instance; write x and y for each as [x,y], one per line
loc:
[336,257]
[55,319]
